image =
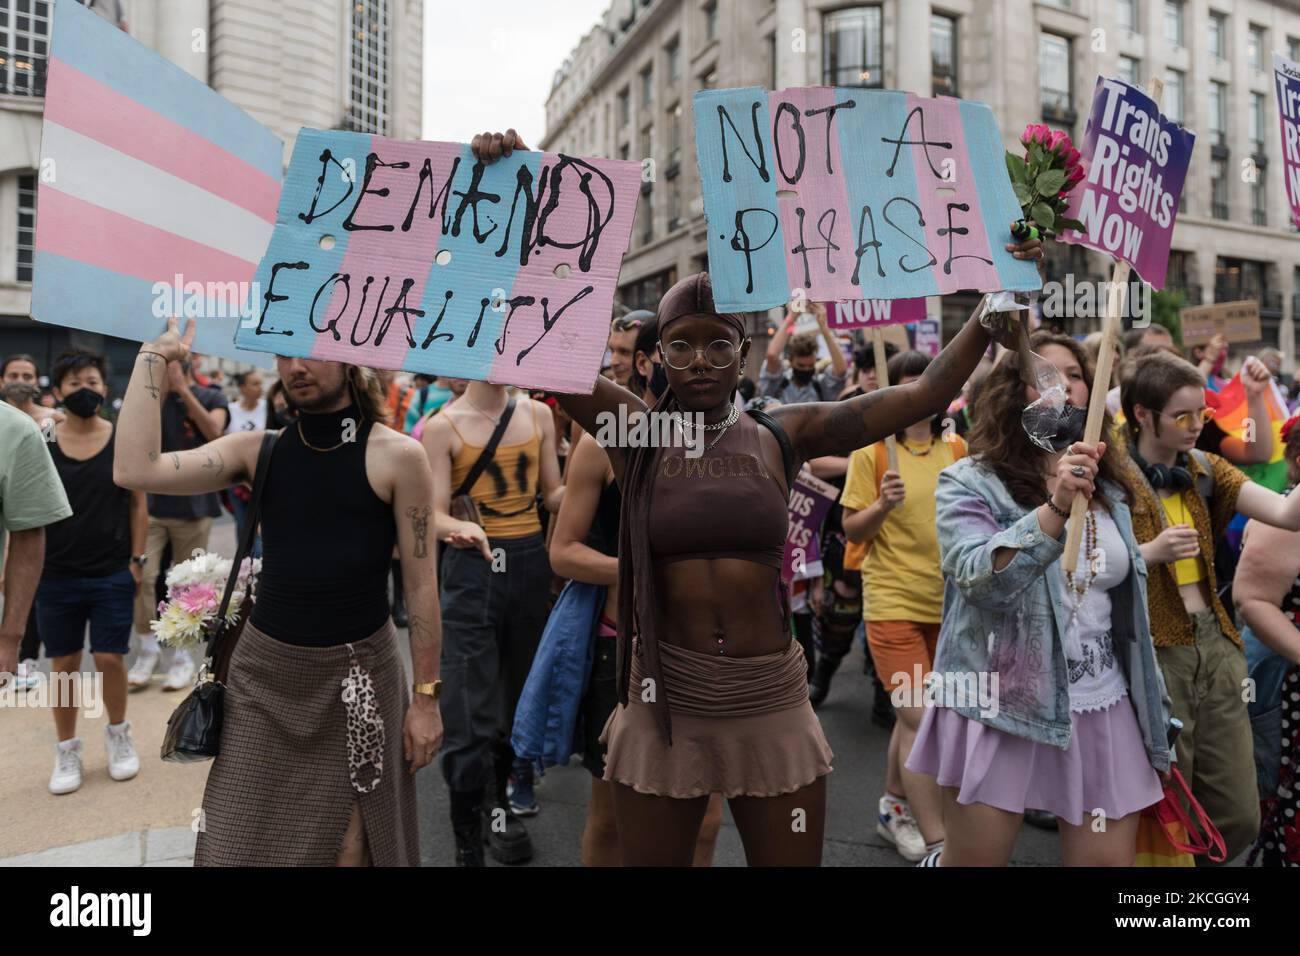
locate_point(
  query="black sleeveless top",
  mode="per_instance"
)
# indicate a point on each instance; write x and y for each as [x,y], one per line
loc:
[603,536]
[96,540]
[327,538]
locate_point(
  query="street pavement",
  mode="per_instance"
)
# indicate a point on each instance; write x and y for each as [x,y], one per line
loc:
[147,821]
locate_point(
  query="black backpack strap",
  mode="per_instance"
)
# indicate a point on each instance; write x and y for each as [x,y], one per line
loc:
[488,450]
[782,439]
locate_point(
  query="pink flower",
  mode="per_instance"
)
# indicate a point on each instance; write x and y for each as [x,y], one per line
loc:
[196,598]
[1072,157]
[1075,175]
[1058,141]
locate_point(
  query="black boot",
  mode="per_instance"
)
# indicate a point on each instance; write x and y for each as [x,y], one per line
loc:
[506,836]
[820,683]
[882,708]
[400,617]
[467,825]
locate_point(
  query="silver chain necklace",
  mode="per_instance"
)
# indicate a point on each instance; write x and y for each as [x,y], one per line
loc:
[716,426]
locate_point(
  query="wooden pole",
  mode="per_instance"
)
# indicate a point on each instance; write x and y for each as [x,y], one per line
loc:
[882,381]
[1101,380]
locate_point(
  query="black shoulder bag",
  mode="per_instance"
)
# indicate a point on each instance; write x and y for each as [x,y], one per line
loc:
[194,730]
[462,506]
[782,439]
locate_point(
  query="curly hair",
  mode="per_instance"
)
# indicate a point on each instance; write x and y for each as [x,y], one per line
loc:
[998,438]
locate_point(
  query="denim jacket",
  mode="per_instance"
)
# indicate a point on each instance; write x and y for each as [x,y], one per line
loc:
[1009,623]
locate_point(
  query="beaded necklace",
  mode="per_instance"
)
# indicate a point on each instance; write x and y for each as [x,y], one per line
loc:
[1091,554]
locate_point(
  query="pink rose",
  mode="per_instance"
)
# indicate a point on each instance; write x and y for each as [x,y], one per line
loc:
[1027,136]
[1072,157]
[1058,141]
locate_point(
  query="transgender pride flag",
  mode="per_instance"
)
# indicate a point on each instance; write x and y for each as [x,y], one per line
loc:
[149,179]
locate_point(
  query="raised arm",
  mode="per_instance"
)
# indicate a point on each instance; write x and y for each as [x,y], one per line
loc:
[1263,504]
[776,347]
[548,472]
[138,460]
[571,556]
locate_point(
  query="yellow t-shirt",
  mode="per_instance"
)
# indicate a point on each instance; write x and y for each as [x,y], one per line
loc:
[1187,570]
[901,580]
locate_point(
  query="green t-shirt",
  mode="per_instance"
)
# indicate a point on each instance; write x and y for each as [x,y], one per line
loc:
[31,495]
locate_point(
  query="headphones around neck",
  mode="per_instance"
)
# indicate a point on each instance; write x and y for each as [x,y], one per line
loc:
[1177,478]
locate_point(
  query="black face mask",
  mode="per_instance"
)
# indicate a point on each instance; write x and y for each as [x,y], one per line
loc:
[801,376]
[659,380]
[1069,424]
[84,402]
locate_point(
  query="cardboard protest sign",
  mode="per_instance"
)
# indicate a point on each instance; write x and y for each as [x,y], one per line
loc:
[157,196]
[868,313]
[1286,74]
[810,501]
[1238,321]
[1137,162]
[852,194]
[412,255]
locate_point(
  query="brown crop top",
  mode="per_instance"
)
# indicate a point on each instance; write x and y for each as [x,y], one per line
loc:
[724,504]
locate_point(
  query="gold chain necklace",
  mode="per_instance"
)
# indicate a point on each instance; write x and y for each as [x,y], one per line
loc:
[332,447]
[495,421]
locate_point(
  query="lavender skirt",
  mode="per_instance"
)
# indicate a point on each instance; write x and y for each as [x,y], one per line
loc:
[1105,768]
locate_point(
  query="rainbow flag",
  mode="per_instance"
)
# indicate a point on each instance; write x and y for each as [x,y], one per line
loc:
[1231,417]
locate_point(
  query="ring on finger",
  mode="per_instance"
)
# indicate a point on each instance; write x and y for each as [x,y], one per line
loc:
[1078,471]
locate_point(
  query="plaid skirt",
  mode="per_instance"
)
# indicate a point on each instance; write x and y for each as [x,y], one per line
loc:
[308,732]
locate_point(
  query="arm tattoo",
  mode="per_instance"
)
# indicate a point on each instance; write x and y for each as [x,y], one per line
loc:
[153,456]
[176,460]
[845,428]
[219,465]
[420,527]
[151,387]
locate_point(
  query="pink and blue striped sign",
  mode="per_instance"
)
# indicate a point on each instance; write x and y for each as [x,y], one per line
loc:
[412,255]
[853,194]
[157,196]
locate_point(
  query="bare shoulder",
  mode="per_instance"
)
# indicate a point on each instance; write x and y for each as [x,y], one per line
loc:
[392,458]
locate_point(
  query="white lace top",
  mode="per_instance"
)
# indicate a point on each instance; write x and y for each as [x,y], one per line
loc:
[1096,682]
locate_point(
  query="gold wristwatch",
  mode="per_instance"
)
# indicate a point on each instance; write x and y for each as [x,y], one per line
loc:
[433,689]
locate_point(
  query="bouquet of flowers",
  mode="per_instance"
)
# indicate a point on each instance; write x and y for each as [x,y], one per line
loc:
[1043,178]
[194,591]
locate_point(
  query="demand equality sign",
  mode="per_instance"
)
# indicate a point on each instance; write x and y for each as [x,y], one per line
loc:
[412,255]
[1286,73]
[1137,163]
[157,196]
[848,193]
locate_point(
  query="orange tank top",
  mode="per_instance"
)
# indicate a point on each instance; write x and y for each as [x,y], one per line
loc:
[506,491]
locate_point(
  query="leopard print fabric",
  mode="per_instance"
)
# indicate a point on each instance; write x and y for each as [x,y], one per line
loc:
[366,735]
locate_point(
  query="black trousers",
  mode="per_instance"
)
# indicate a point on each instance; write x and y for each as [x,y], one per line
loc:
[492,621]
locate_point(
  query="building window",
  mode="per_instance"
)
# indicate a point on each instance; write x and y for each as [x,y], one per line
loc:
[647,214]
[1257,124]
[24,46]
[674,203]
[1255,45]
[26,225]
[1173,101]
[1129,69]
[943,55]
[1174,23]
[624,107]
[1218,36]
[1218,188]
[674,135]
[1063,4]
[852,42]
[647,143]
[646,293]
[1258,194]
[368,111]
[1128,15]
[647,86]
[1176,273]
[1218,114]
[673,59]
[711,20]
[1054,73]
[1293,48]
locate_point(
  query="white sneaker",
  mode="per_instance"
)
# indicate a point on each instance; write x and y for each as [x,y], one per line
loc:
[28,676]
[123,764]
[142,670]
[181,675]
[897,825]
[67,766]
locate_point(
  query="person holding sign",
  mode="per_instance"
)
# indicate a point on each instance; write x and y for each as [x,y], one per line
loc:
[1048,694]
[342,487]
[802,383]
[1186,498]
[713,693]
[893,513]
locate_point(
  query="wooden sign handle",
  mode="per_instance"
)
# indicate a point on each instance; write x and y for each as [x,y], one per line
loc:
[882,381]
[1097,404]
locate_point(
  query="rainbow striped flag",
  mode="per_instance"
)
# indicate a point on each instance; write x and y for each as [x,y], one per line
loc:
[1231,416]
[149,180]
